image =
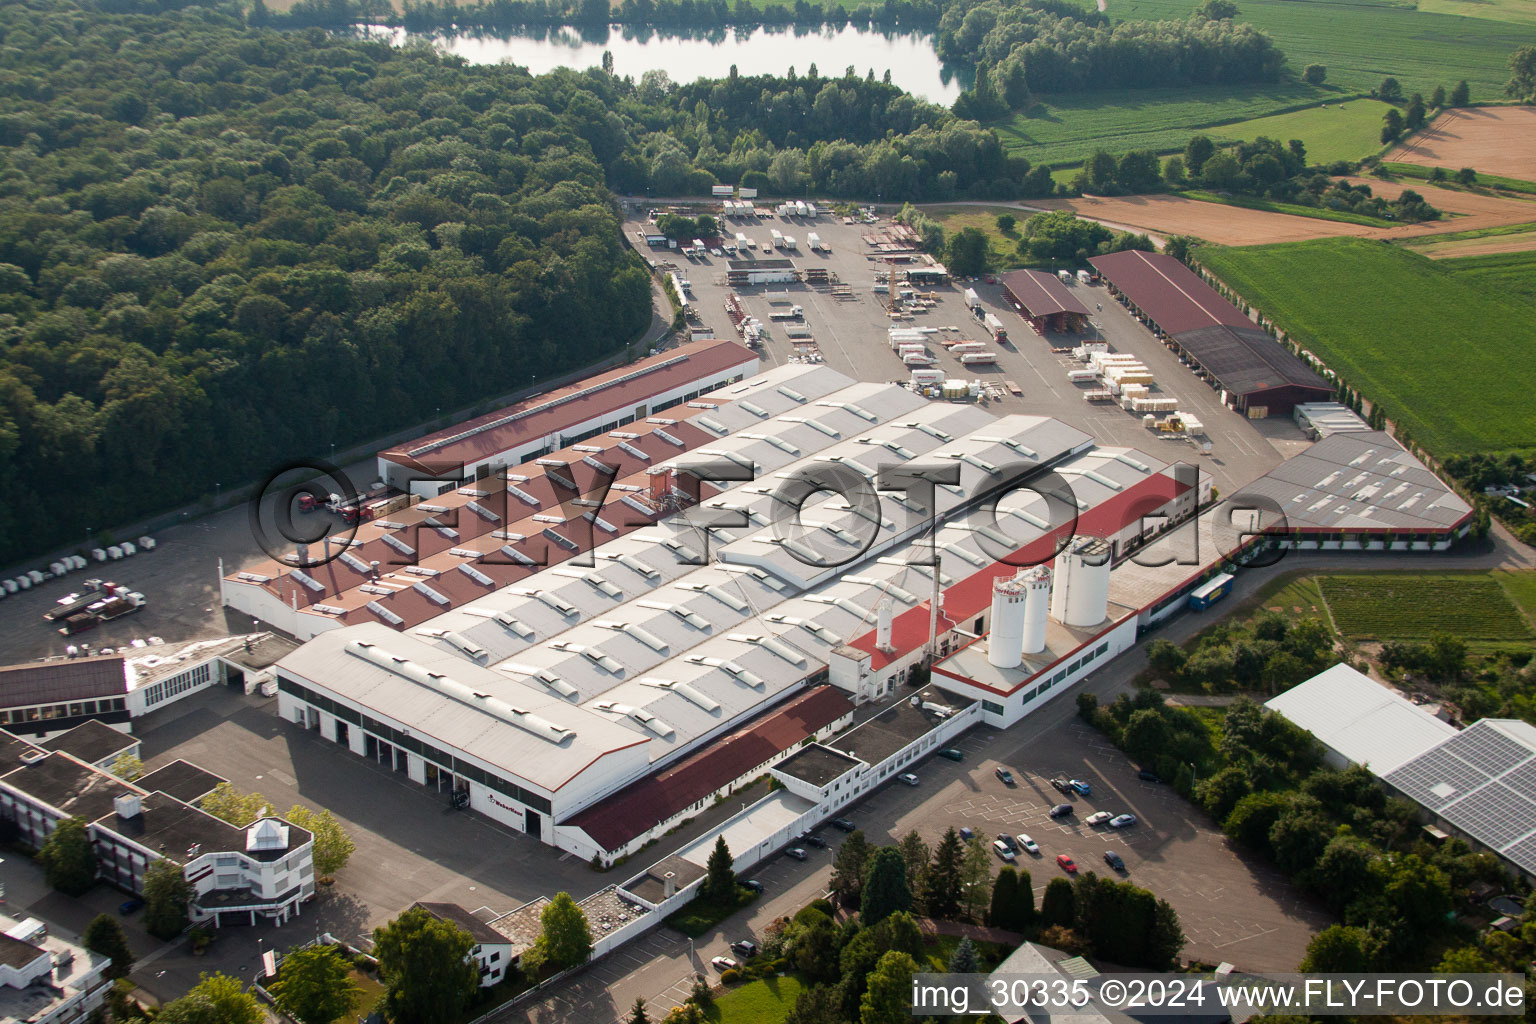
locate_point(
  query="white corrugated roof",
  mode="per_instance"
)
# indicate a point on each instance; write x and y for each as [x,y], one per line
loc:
[1361,719]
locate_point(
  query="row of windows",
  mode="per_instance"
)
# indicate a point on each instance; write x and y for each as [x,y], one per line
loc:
[423,750]
[178,684]
[49,712]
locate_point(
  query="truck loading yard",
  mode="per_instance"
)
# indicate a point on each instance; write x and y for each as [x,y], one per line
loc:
[945,334]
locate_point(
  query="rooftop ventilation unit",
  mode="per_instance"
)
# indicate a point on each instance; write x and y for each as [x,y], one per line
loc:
[371,588]
[483,512]
[419,570]
[772,644]
[690,693]
[329,609]
[522,495]
[563,541]
[602,467]
[256,577]
[464,644]
[1008,442]
[633,563]
[594,449]
[389,524]
[554,601]
[858,411]
[675,442]
[517,556]
[384,613]
[633,452]
[354,563]
[514,625]
[476,575]
[433,508]
[429,593]
[399,545]
[307,580]
[929,429]
[755,410]
[693,618]
[606,663]
[712,425]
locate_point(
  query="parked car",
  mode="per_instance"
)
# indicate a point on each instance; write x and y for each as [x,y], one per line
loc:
[966,833]
[1002,850]
[816,841]
[1062,784]
[844,825]
[753,884]
[1007,840]
[1097,818]
[129,906]
[953,754]
[796,852]
[1114,860]
[1061,810]
[1066,863]
[1122,821]
[723,963]
[907,778]
[1080,787]
[1027,844]
[1148,775]
[1005,775]
[746,947]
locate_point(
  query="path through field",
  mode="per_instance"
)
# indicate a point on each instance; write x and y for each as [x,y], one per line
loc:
[1492,140]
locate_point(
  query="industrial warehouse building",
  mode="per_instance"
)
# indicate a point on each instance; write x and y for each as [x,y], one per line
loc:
[1256,374]
[593,707]
[628,628]
[1043,300]
[475,449]
[1478,782]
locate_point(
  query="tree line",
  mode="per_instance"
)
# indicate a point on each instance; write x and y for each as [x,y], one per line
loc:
[227,245]
[1052,46]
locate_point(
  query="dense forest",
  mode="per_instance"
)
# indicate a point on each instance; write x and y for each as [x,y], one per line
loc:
[1054,46]
[222,245]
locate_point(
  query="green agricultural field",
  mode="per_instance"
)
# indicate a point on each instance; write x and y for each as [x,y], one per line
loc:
[1521,587]
[1448,359]
[1067,129]
[1361,41]
[1513,273]
[1417,606]
[1516,11]
[1486,180]
[1340,131]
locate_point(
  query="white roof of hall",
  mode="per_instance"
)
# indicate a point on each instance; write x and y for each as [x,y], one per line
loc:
[522,729]
[1364,721]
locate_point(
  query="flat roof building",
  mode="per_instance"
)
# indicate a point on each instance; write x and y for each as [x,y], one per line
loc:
[1360,721]
[472,450]
[1258,375]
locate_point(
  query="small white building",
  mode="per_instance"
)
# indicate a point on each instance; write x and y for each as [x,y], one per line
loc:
[492,951]
[45,979]
[1360,721]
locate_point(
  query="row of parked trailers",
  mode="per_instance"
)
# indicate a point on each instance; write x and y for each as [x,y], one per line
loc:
[72,563]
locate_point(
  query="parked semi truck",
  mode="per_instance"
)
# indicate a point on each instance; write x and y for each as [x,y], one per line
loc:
[119,602]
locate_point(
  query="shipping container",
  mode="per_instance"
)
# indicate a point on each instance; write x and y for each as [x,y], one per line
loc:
[1207,594]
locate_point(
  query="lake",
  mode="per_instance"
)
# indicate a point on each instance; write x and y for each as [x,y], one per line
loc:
[909,56]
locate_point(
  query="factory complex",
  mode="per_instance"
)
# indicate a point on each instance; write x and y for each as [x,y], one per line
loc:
[597,644]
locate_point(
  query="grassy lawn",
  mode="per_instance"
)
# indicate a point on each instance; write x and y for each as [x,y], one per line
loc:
[1362,41]
[1066,129]
[1417,606]
[1483,180]
[1448,358]
[1512,272]
[1295,210]
[765,1001]
[700,915]
[1005,253]
[1339,131]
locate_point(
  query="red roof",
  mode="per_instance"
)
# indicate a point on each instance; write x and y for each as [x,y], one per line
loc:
[550,413]
[1168,292]
[969,596]
[639,807]
[1041,294]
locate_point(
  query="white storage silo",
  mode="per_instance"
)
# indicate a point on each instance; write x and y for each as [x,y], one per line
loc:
[883,625]
[1005,646]
[1081,596]
[1037,602]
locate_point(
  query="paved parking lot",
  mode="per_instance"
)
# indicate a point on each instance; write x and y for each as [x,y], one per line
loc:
[1232,906]
[851,336]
